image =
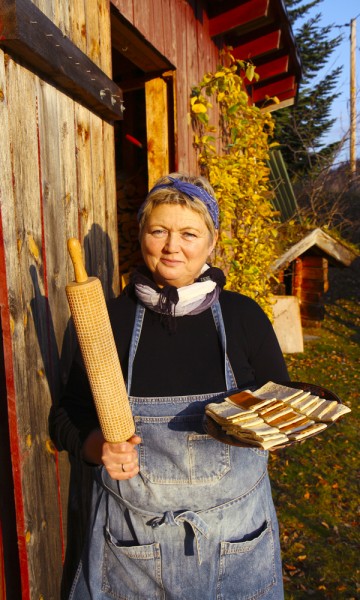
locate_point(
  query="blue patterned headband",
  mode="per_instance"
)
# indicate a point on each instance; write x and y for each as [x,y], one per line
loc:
[191,190]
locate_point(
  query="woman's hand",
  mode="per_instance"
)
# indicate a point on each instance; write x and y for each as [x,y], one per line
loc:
[120,459]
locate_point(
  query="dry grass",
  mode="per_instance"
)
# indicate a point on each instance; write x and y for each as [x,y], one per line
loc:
[316,483]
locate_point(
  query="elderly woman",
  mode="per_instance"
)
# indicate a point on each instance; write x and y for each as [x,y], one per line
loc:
[175,513]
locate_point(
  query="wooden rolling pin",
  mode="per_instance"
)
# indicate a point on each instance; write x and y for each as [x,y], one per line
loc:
[92,324]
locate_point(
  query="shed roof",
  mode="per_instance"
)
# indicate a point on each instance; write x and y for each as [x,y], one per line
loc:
[260,31]
[323,244]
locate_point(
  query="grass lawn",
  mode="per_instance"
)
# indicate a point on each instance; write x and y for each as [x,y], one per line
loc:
[315,483]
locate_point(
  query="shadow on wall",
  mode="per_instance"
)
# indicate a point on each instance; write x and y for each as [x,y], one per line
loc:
[99,262]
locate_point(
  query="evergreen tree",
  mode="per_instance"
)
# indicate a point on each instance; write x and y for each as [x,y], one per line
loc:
[300,129]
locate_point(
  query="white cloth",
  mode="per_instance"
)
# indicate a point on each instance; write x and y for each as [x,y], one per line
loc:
[191,297]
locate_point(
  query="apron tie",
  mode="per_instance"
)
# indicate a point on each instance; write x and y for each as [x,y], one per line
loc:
[199,527]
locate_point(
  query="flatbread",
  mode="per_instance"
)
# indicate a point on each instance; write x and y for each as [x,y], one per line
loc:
[275,391]
[304,403]
[320,411]
[224,411]
[334,413]
[247,401]
[300,435]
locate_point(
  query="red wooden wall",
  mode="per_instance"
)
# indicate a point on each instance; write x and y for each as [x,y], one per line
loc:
[179,30]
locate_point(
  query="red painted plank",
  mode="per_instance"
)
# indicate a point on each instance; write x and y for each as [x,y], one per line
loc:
[2,567]
[167,26]
[289,95]
[274,89]
[273,68]
[245,13]
[259,46]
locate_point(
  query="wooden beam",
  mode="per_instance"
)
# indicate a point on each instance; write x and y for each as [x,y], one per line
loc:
[138,83]
[240,15]
[131,44]
[28,34]
[273,89]
[282,104]
[258,46]
[288,94]
[157,129]
[272,68]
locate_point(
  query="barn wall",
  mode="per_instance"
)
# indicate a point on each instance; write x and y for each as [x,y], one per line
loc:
[179,30]
[57,181]
[310,282]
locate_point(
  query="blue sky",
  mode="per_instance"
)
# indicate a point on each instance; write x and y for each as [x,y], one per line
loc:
[341,13]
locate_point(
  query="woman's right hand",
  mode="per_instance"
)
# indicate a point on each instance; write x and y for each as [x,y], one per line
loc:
[119,459]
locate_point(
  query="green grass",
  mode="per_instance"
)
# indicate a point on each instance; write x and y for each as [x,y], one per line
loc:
[315,483]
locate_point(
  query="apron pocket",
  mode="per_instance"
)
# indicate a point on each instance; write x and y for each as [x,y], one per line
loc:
[247,568]
[175,450]
[132,572]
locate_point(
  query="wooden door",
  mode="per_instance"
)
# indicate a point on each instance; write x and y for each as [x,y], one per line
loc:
[57,181]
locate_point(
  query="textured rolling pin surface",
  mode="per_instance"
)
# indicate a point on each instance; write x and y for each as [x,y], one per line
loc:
[96,340]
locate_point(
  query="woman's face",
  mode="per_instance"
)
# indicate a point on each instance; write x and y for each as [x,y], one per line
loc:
[175,244]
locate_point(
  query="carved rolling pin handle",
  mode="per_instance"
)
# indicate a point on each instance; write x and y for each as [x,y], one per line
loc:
[74,248]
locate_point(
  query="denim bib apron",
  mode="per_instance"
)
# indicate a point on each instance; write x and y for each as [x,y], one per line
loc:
[197,523]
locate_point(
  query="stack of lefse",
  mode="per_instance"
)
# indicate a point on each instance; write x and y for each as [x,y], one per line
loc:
[274,415]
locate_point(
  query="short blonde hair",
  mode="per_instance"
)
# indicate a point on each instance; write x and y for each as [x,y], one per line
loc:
[171,195]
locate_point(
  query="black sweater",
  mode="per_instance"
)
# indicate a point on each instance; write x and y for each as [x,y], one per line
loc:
[187,361]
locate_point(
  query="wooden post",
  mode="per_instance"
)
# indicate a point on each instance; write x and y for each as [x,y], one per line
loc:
[353,99]
[157,129]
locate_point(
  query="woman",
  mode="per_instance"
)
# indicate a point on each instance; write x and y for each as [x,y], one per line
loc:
[175,513]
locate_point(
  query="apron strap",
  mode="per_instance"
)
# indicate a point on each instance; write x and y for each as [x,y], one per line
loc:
[220,327]
[139,319]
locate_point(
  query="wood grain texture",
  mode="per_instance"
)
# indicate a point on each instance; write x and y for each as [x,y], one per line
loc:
[112,283]
[179,30]
[30,352]
[47,164]
[157,129]
[10,308]
[77,24]
[58,181]
[26,32]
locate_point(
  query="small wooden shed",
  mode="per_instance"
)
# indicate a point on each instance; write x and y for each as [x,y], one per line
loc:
[303,272]
[94,98]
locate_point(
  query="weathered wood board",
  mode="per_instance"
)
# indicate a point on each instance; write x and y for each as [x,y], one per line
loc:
[58,181]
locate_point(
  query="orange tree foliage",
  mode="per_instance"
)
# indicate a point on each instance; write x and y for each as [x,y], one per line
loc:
[232,154]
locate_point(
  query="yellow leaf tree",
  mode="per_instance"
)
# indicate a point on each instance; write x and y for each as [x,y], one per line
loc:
[232,154]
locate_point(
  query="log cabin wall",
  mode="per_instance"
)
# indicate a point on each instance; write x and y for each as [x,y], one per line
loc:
[309,284]
[57,181]
[179,30]
[169,41]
